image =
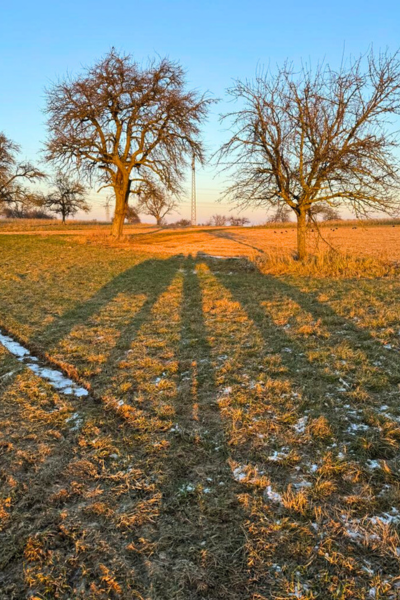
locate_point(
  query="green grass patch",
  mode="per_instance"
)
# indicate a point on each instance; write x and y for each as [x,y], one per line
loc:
[241,438]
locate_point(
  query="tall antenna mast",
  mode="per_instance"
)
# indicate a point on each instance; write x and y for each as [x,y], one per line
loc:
[107,207]
[193,199]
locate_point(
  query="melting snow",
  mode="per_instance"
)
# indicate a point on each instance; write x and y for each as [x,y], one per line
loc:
[357,427]
[386,518]
[373,464]
[76,421]
[302,484]
[277,456]
[187,488]
[239,473]
[301,424]
[53,376]
[271,495]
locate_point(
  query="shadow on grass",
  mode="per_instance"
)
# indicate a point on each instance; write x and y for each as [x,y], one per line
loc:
[34,511]
[168,527]
[200,529]
[150,277]
[225,235]
[193,544]
[252,288]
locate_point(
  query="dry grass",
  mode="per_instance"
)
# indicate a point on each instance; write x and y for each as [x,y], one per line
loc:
[372,240]
[242,435]
[326,264]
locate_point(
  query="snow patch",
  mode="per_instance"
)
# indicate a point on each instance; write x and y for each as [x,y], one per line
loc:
[53,376]
[187,488]
[76,421]
[269,494]
[373,464]
[239,473]
[301,425]
[277,456]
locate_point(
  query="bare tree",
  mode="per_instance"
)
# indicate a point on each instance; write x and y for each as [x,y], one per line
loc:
[22,204]
[68,196]
[317,136]
[238,221]
[324,211]
[218,221]
[13,175]
[132,215]
[155,201]
[119,123]
[281,214]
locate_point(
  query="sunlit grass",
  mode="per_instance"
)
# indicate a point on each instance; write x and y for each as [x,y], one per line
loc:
[241,438]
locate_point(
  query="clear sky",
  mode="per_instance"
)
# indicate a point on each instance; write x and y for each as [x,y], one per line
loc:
[215,42]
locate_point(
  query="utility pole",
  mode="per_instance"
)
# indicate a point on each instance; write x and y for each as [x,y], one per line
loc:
[193,199]
[107,207]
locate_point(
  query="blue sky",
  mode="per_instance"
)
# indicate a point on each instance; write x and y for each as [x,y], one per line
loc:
[215,41]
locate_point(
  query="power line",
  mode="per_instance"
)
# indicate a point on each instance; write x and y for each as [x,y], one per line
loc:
[193,205]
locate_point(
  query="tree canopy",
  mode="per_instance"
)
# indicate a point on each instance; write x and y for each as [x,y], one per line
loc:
[323,135]
[14,175]
[154,200]
[120,123]
[68,196]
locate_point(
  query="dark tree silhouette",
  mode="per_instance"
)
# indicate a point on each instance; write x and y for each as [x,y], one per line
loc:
[155,201]
[281,214]
[132,215]
[120,123]
[68,196]
[218,221]
[326,136]
[325,212]
[13,175]
[238,221]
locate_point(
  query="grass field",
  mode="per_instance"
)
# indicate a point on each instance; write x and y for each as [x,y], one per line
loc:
[378,239]
[241,438]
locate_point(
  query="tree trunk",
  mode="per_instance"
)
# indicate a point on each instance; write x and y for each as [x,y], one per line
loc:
[121,206]
[301,234]
[159,221]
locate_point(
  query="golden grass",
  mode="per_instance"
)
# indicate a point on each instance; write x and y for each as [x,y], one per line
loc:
[375,240]
[242,435]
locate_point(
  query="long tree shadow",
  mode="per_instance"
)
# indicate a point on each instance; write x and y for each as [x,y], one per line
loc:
[66,467]
[140,500]
[145,277]
[227,236]
[189,546]
[254,288]
[200,532]
[318,427]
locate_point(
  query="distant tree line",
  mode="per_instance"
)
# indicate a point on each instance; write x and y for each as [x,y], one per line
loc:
[224,221]
[304,142]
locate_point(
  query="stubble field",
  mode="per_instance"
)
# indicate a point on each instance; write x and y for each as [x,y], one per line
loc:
[241,437]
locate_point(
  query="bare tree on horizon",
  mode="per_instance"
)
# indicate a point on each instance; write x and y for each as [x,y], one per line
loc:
[119,124]
[13,175]
[68,196]
[323,135]
[155,201]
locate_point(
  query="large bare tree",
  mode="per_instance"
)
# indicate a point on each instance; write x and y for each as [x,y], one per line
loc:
[120,123]
[67,197]
[323,135]
[14,174]
[155,201]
